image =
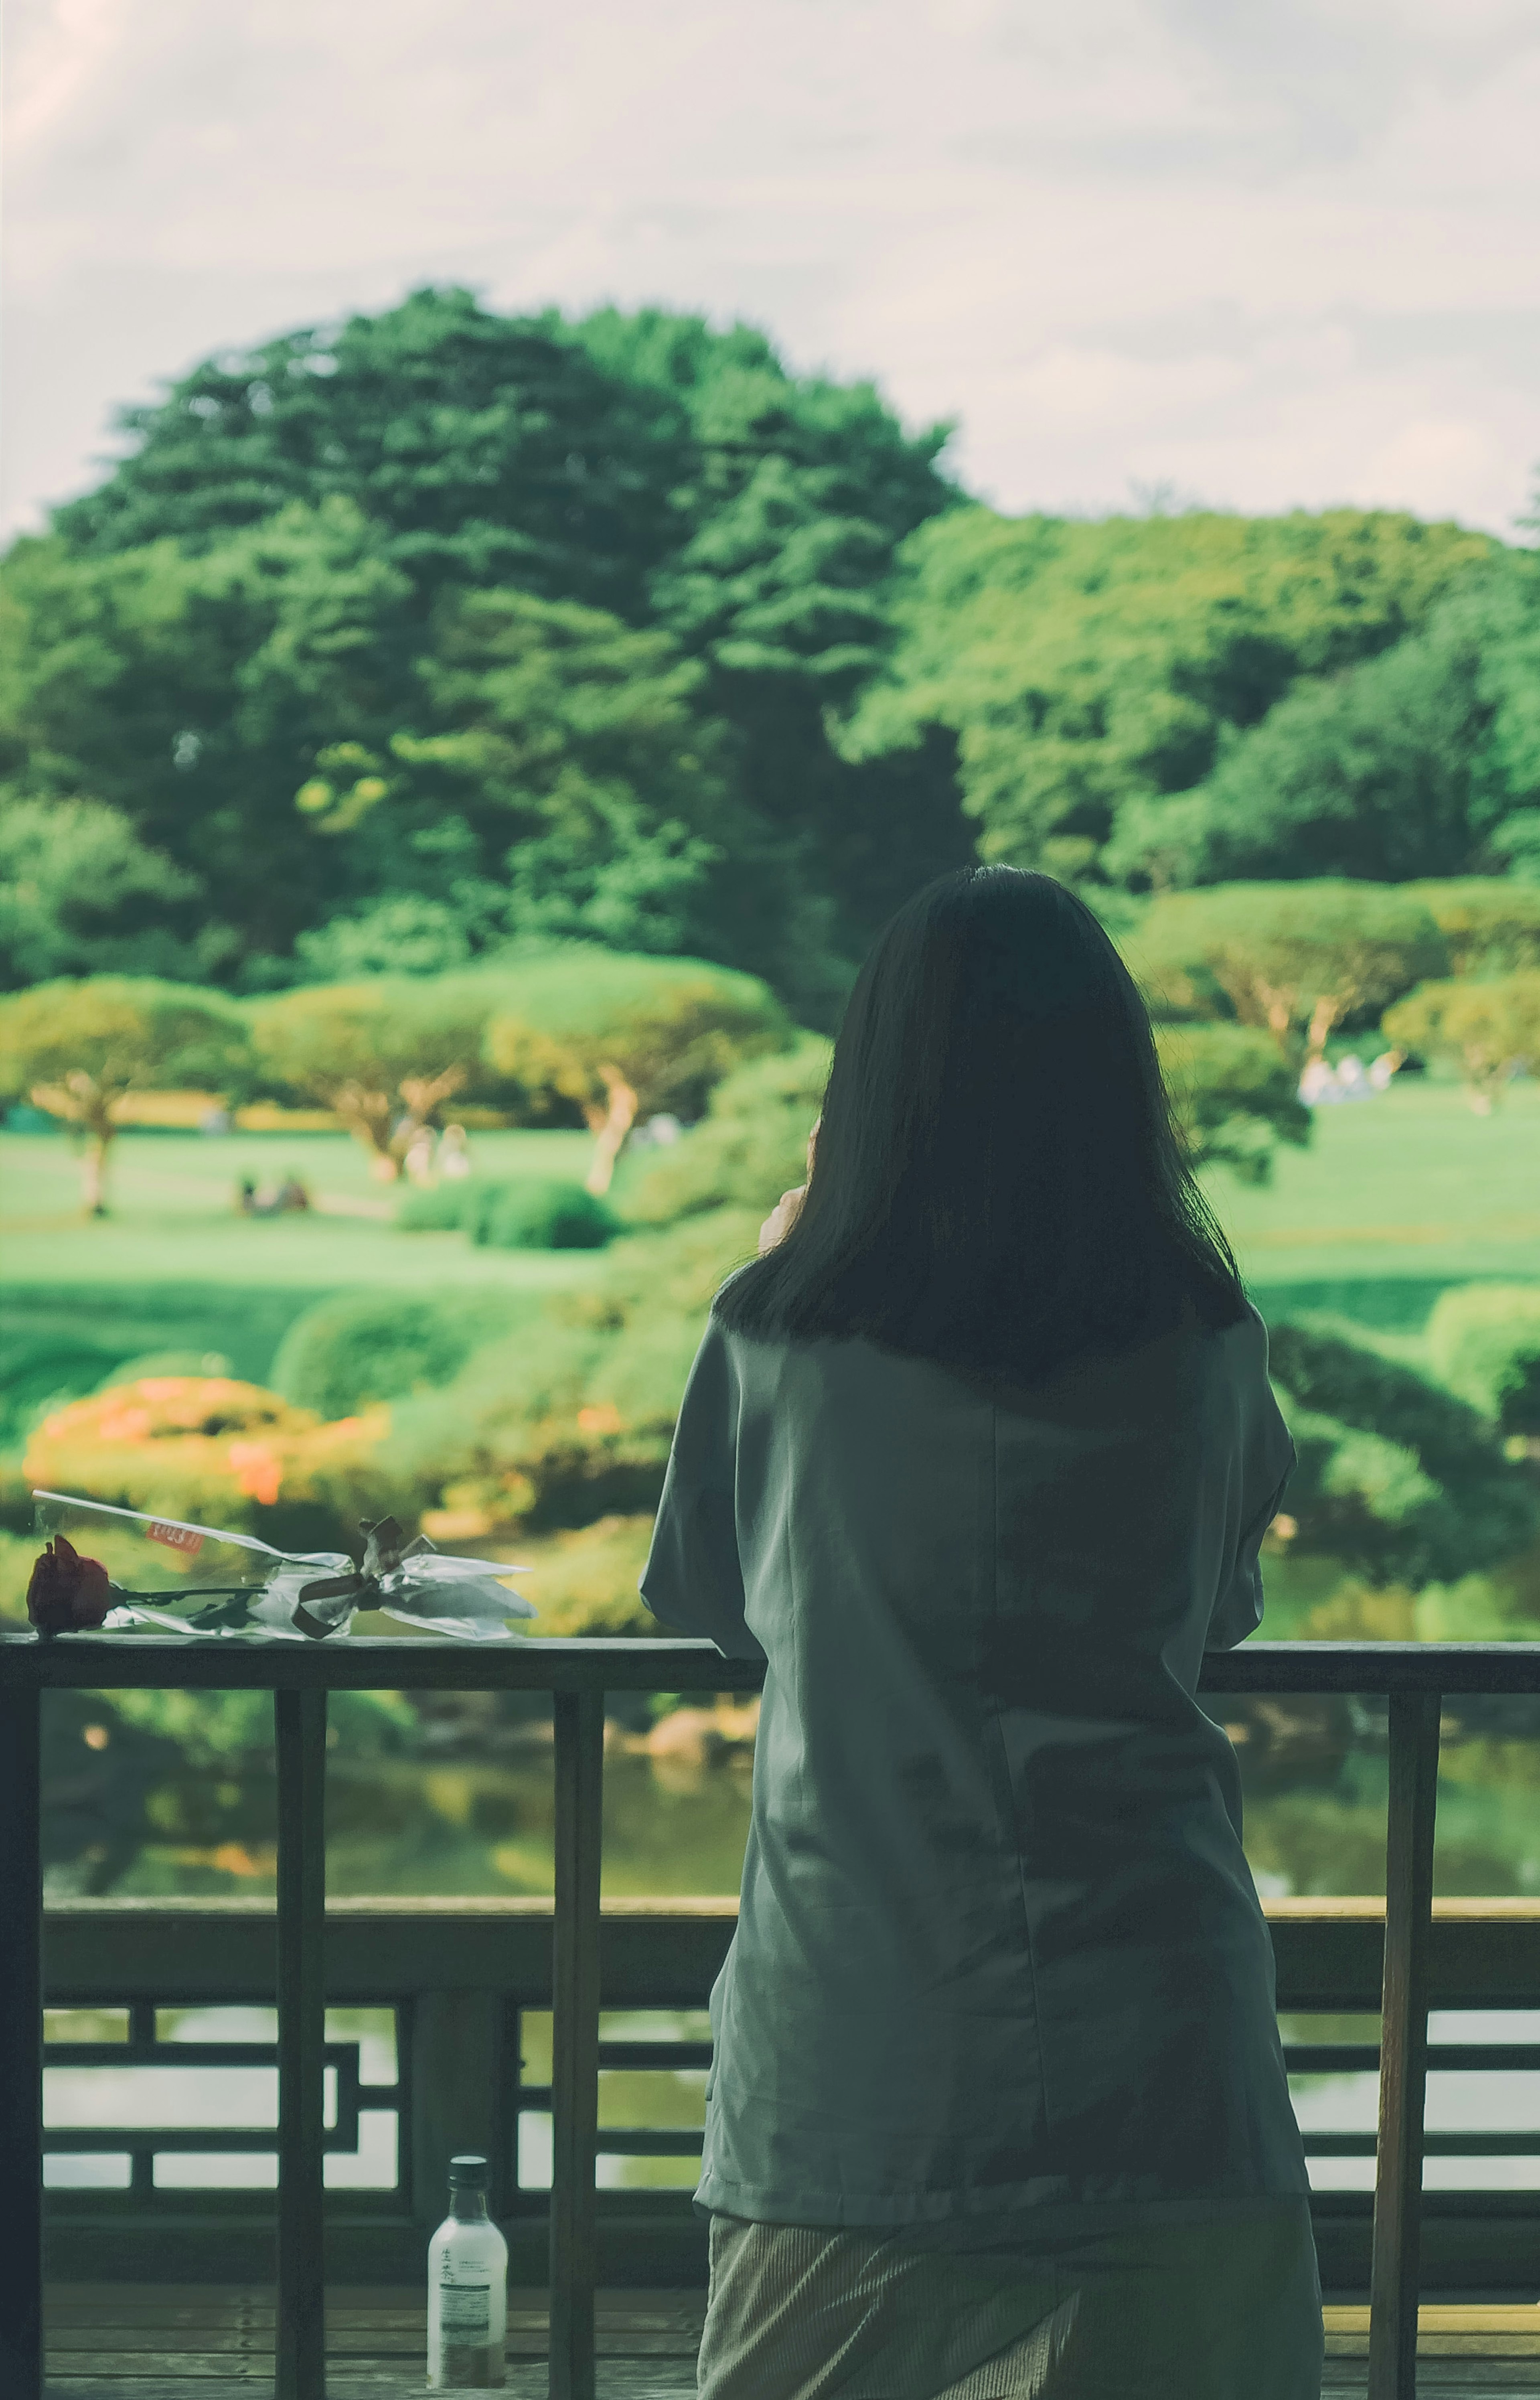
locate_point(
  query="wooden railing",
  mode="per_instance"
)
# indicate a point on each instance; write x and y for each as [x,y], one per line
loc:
[578,1674]
[438,2035]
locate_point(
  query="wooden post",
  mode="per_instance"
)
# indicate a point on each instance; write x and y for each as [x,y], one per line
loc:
[20,2045]
[300,1719]
[457,2079]
[575,2039]
[1394,2274]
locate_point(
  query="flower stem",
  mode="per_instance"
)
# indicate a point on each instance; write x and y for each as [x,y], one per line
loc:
[189,1592]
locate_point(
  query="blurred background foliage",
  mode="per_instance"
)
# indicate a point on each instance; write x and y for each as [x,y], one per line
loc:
[498,739]
[392,643]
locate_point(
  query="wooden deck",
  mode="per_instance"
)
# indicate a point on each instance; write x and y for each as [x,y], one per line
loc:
[120,2341]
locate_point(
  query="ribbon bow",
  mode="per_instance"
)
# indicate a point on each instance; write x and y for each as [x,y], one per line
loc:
[407,1579]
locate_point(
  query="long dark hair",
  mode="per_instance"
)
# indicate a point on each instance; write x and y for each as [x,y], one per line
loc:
[997,1183]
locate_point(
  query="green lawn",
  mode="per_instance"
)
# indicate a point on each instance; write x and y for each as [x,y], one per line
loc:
[174,1267]
[1395,1199]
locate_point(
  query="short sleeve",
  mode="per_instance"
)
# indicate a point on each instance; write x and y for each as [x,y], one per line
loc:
[692,1580]
[1269,1461]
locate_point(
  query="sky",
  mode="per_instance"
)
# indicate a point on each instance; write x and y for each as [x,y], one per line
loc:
[1253,253]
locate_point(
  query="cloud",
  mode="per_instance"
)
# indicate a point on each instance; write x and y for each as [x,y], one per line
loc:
[1157,240]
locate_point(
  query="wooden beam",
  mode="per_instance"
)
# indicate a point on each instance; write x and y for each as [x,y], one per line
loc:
[370,1663]
[366,1662]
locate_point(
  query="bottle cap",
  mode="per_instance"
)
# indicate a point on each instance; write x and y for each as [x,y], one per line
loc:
[468,2169]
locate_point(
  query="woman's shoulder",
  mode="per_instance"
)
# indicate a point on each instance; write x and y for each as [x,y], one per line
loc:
[1248,1334]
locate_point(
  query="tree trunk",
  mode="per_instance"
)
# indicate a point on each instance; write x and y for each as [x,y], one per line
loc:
[366,1115]
[82,1101]
[1322,1016]
[1277,1008]
[609,1126]
[93,1179]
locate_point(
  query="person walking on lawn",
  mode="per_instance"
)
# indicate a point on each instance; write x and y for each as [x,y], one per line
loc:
[979,1455]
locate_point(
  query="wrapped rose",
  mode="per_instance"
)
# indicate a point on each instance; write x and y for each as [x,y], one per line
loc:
[271,1594]
[68,1593]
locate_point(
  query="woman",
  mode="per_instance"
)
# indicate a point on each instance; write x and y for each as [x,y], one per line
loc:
[979,1455]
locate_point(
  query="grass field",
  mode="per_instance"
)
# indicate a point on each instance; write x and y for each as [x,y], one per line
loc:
[174,1266]
[1395,1199]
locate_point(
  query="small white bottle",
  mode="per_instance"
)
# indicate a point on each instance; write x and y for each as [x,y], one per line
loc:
[467,2289]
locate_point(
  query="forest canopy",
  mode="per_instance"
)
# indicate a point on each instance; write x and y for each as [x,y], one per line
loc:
[387,645]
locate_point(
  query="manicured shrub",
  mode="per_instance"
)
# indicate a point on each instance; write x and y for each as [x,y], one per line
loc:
[1490,923]
[540,1214]
[436,1208]
[519,1213]
[82,1050]
[572,1418]
[1490,1029]
[1397,1478]
[1233,1097]
[656,1041]
[217,1453]
[1484,1342]
[583,1581]
[165,1362]
[750,1145]
[1297,960]
[355,1348]
[385,1055]
[39,1370]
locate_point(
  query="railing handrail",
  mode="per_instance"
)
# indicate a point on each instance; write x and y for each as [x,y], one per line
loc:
[367,1662]
[1411,1676]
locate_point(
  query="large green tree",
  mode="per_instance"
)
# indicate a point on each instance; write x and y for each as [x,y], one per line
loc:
[193,692]
[1084,668]
[488,449]
[1410,763]
[270,594]
[79,892]
[801,492]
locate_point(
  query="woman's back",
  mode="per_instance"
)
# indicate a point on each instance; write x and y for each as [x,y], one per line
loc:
[999,1948]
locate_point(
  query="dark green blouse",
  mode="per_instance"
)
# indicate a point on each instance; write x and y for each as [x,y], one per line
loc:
[999,1946]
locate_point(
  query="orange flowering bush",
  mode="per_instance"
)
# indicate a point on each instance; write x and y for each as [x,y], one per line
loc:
[216,1451]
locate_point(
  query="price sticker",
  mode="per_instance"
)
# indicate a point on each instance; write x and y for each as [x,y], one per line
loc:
[176,1537]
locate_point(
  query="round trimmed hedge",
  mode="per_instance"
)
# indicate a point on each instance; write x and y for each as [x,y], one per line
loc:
[540,1214]
[358,1348]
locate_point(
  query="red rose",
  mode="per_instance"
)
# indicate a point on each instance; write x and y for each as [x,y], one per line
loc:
[67,1594]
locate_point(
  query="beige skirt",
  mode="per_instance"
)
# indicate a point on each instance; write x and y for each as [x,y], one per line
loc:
[1226,2310]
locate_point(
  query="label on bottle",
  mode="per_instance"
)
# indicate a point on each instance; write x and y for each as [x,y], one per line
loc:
[466,2311]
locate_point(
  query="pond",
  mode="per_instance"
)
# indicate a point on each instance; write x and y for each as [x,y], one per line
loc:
[456,1796]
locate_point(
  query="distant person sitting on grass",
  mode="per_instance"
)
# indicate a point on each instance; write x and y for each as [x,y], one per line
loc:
[978,1458]
[289,1198]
